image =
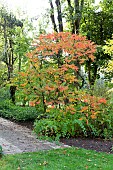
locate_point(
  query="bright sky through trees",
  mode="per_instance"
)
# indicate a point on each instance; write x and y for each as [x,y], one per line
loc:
[31,7]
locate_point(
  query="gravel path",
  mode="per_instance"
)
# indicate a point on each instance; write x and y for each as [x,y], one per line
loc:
[15,138]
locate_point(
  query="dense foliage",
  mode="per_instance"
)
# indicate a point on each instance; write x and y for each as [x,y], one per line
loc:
[47,73]
[52,82]
[15,112]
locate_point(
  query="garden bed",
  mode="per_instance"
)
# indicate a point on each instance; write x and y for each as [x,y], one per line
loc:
[99,145]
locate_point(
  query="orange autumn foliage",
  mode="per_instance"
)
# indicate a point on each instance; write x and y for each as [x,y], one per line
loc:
[53,71]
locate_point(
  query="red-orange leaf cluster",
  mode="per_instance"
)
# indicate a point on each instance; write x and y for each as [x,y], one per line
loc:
[53,69]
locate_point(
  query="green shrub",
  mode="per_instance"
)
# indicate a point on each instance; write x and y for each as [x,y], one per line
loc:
[11,111]
[1,151]
[4,93]
[56,124]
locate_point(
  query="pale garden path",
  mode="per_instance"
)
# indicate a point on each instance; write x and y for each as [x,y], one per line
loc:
[15,138]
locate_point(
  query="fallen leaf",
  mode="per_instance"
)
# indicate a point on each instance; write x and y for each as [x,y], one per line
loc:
[45,163]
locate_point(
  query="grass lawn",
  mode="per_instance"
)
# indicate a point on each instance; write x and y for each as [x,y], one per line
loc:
[60,159]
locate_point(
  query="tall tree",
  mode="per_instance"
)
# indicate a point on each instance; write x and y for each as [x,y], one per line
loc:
[15,43]
[73,13]
[8,24]
[97,24]
[69,11]
[108,49]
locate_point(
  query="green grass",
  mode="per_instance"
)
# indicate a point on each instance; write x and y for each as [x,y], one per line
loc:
[60,159]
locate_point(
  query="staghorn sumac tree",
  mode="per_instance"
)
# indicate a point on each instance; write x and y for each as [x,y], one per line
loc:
[52,86]
[53,78]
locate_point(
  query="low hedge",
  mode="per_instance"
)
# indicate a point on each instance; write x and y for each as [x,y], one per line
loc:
[18,113]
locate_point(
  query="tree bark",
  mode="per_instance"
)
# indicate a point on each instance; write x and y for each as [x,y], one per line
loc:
[72,23]
[60,23]
[52,16]
[12,93]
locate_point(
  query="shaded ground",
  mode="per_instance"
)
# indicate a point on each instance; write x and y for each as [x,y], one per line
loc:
[92,144]
[28,124]
[99,145]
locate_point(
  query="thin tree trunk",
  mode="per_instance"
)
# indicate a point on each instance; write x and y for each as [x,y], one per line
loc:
[12,93]
[60,23]
[52,16]
[19,64]
[77,14]
[72,23]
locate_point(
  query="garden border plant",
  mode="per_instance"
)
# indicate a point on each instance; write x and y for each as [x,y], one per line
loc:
[52,78]
[18,113]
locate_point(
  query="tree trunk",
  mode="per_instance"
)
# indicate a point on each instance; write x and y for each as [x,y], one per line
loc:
[52,16]
[12,93]
[19,64]
[60,23]
[94,74]
[72,23]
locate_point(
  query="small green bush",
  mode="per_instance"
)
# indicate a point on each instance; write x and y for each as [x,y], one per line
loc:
[1,151]
[4,93]
[57,124]
[11,111]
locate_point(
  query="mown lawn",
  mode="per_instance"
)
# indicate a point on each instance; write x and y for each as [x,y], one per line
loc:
[60,159]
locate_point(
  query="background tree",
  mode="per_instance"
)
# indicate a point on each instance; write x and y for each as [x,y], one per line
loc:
[22,42]
[67,12]
[8,24]
[108,71]
[15,43]
[97,24]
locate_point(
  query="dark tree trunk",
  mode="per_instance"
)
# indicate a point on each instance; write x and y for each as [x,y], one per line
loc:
[12,93]
[89,72]
[19,64]
[10,71]
[92,73]
[10,60]
[60,23]
[71,11]
[94,76]
[52,16]
[78,14]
